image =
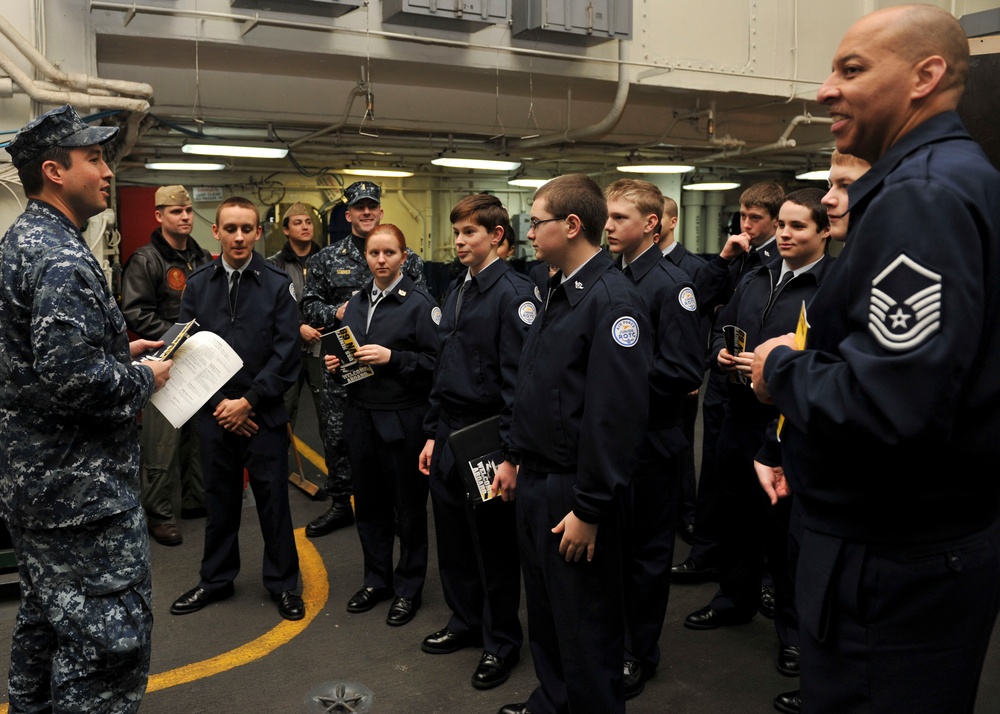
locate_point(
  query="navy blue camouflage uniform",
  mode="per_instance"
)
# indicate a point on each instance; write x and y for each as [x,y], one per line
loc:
[383,428]
[264,332]
[474,379]
[69,474]
[892,415]
[652,501]
[579,418]
[336,273]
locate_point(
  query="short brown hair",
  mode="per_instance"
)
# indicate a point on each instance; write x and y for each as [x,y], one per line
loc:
[645,196]
[840,159]
[577,194]
[30,174]
[811,198]
[481,208]
[239,202]
[767,195]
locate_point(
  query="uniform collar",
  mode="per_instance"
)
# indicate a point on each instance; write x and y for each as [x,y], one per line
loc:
[577,287]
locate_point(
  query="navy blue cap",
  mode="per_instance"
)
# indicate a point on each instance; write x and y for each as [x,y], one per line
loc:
[58,127]
[363,189]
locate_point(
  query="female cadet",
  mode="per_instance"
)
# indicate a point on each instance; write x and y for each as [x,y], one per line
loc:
[395,326]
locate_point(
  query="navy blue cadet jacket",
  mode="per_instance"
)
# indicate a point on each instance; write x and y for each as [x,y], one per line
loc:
[893,410]
[690,263]
[679,352]
[264,332]
[719,278]
[751,310]
[478,358]
[404,321]
[582,397]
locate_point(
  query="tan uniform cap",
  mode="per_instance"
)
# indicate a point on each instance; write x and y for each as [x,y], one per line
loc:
[297,209]
[172,196]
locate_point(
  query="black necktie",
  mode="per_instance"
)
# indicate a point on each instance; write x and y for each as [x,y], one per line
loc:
[785,278]
[628,271]
[461,294]
[234,288]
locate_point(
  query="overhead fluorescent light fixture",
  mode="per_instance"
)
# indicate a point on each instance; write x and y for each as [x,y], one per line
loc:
[184,166]
[379,173]
[453,162]
[528,182]
[655,168]
[241,151]
[709,182]
[814,175]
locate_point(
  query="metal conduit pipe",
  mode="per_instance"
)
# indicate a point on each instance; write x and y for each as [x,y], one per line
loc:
[601,128]
[76,81]
[784,142]
[56,97]
[360,89]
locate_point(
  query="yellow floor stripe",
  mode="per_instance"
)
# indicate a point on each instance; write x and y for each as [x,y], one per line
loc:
[314,458]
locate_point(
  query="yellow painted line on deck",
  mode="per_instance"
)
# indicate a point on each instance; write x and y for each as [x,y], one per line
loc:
[315,592]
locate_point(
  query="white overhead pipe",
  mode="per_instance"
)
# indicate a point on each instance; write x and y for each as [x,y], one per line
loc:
[361,88]
[75,81]
[783,142]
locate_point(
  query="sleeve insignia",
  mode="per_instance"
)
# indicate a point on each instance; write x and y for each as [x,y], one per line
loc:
[905,305]
[625,331]
[436,315]
[687,300]
[527,312]
[291,291]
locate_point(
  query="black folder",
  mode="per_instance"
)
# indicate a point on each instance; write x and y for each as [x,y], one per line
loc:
[478,454]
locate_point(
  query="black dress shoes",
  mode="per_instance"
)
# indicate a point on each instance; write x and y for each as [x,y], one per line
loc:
[365,599]
[290,605]
[197,598]
[514,709]
[708,619]
[445,642]
[492,670]
[788,661]
[402,611]
[338,516]
[767,602]
[789,702]
[635,678]
[691,572]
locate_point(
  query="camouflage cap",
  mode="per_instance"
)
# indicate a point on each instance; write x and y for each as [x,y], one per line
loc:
[58,127]
[297,209]
[172,196]
[362,189]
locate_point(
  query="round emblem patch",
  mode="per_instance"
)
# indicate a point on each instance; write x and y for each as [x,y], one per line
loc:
[436,315]
[538,294]
[687,300]
[527,312]
[291,291]
[176,279]
[625,331]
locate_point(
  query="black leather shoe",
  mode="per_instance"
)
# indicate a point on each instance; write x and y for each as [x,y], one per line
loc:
[197,598]
[789,702]
[365,599]
[338,516]
[514,709]
[402,611]
[767,602]
[290,605]
[635,679]
[788,661]
[445,642]
[708,619]
[492,670]
[687,533]
[691,571]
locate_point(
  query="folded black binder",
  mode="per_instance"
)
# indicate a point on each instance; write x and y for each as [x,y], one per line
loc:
[478,454]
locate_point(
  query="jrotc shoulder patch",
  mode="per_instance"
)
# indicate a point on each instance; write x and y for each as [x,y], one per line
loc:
[687,300]
[436,315]
[538,294]
[625,331]
[527,312]
[905,305]
[291,291]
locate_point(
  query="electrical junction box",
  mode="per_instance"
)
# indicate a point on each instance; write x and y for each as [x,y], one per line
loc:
[579,21]
[325,8]
[447,14]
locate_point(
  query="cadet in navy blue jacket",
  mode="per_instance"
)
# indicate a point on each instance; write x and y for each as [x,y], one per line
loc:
[580,415]
[250,304]
[892,410]
[634,212]
[767,302]
[395,326]
[486,317]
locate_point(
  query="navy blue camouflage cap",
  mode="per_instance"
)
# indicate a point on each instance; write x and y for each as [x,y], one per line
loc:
[58,127]
[362,189]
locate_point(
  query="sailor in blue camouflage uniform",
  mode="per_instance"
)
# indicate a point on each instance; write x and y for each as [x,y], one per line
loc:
[892,410]
[579,418]
[69,457]
[336,273]
[651,503]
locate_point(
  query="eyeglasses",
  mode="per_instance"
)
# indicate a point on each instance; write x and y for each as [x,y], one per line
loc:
[535,222]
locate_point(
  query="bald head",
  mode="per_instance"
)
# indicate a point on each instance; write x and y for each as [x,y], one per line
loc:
[917,32]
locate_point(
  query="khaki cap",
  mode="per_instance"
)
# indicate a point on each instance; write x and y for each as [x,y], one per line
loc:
[172,196]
